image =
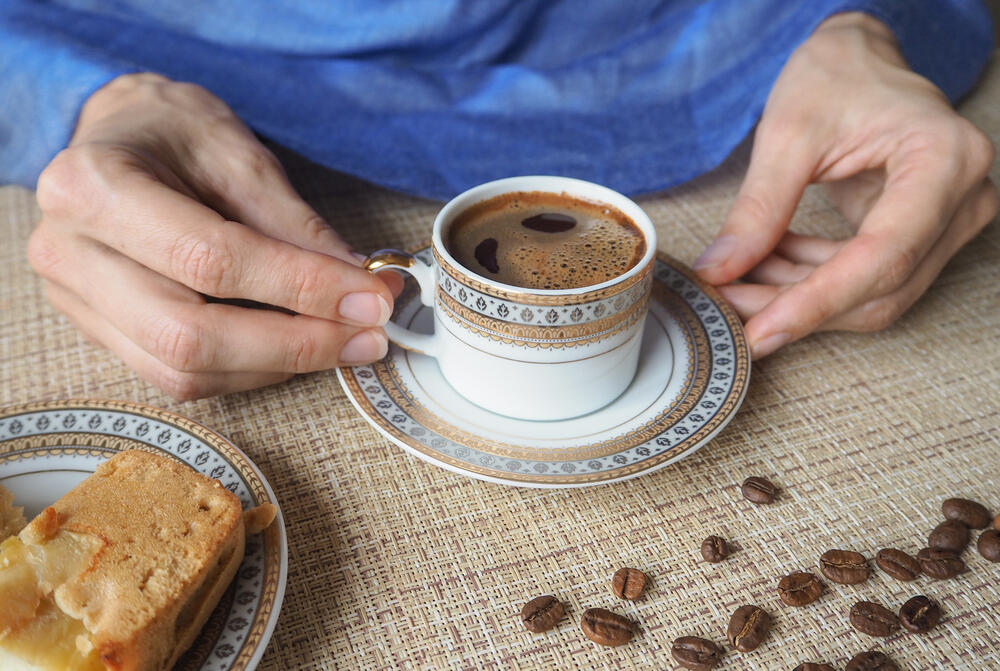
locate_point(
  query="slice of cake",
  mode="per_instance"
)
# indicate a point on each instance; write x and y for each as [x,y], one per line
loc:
[11,518]
[122,572]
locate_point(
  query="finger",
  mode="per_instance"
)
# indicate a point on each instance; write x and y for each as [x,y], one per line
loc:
[245,182]
[182,386]
[778,270]
[808,249]
[897,233]
[760,214]
[971,217]
[749,299]
[176,326]
[194,245]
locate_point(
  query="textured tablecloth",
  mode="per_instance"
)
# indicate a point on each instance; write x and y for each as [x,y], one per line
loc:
[396,564]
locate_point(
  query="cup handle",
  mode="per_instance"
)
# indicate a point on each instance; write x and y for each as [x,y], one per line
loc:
[423,273]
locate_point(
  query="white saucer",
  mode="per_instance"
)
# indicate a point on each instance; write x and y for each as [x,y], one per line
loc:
[693,372]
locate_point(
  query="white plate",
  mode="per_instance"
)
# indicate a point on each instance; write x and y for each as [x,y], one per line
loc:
[47,448]
[694,368]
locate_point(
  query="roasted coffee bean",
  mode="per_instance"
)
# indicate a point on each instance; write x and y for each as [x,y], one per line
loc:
[969,513]
[758,490]
[949,535]
[898,564]
[989,544]
[872,660]
[844,566]
[996,522]
[606,628]
[748,628]
[714,549]
[800,589]
[919,614]
[872,619]
[697,654]
[628,583]
[940,564]
[809,666]
[542,613]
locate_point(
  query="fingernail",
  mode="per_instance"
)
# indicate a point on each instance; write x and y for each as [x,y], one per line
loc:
[769,344]
[364,347]
[716,253]
[367,309]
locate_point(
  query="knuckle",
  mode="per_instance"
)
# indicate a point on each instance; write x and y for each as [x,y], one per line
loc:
[180,385]
[311,288]
[43,254]
[63,182]
[897,266]
[880,314]
[752,208]
[316,228]
[205,263]
[178,343]
[979,150]
[258,162]
[304,354]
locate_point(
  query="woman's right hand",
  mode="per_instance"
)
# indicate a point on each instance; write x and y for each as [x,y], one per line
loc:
[164,197]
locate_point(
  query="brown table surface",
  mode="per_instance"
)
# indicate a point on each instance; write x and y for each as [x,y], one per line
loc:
[397,564]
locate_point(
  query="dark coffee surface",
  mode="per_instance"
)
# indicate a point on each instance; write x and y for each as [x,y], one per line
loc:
[540,240]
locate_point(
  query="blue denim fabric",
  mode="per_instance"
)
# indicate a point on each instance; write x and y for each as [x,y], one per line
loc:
[433,96]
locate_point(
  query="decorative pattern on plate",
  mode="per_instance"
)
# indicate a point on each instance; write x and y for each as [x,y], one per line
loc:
[713,374]
[45,435]
[476,289]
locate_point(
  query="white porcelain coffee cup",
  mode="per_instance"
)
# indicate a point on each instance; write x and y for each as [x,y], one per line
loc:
[538,354]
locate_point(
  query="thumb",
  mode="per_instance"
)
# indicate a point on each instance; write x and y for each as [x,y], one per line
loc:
[761,212]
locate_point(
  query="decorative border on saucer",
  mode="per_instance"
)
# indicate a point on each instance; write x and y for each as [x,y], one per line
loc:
[720,376]
[232,638]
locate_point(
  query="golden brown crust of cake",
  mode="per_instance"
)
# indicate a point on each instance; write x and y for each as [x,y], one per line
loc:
[11,517]
[163,530]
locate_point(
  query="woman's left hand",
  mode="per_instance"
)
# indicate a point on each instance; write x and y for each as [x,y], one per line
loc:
[905,170]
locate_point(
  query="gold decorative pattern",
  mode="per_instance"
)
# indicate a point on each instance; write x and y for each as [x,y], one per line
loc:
[697,379]
[527,298]
[89,442]
[695,383]
[542,337]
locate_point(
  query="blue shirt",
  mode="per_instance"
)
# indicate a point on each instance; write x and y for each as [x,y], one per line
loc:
[433,96]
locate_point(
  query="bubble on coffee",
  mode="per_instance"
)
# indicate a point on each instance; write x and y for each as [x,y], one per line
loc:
[541,240]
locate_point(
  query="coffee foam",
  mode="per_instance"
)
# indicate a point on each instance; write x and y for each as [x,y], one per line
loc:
[604,244]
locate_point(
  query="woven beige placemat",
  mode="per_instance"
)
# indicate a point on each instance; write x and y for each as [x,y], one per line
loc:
[396,564]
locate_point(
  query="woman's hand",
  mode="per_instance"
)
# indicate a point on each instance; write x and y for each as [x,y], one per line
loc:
[163,198]
[906,171]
